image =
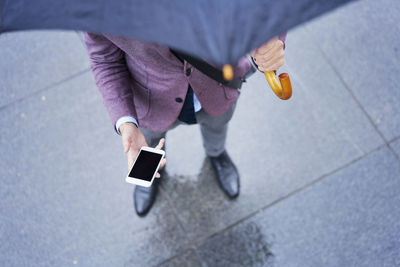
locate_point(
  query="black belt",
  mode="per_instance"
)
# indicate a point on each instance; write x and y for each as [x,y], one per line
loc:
[209,70]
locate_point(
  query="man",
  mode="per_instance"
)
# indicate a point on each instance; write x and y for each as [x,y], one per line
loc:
[148,90]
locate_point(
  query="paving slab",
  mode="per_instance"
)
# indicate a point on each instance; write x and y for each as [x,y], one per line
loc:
[348,219]
[278,146]
[63,192]
[362,41]
[33,60]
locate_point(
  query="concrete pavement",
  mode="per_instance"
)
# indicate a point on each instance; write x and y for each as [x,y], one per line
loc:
[320,172]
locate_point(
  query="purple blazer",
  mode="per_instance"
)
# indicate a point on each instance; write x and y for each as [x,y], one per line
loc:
[146,81]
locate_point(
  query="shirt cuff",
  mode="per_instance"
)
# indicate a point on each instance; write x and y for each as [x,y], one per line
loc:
[124,119]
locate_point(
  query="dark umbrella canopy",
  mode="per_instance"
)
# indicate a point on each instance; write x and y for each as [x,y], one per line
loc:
[219,31]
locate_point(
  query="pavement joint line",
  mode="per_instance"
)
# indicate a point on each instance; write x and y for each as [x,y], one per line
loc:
[346,86]
[391,148]
[289,195]
[73,76]
[394,153]
[394,139]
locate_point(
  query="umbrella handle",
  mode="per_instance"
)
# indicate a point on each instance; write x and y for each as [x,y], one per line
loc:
[282,87]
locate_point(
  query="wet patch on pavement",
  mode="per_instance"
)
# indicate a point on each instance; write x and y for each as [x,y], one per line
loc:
[243,245]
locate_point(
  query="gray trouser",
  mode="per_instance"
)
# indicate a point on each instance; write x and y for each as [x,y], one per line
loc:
[213,131]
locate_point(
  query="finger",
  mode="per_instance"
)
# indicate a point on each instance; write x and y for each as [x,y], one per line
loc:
[130,163]
[275,53]
[158,175]
[271,54]
[132,154]
[262,59]
[263,51]
[273,63]
[164,161]
[276,59]
[272,67]
[160,144]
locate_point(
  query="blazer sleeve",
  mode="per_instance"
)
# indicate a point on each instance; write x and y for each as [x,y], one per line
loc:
[111,75]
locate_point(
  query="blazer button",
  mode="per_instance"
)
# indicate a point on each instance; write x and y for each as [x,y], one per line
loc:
[188,71]
[178,99]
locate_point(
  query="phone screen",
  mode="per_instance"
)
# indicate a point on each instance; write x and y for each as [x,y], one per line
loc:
[145,165]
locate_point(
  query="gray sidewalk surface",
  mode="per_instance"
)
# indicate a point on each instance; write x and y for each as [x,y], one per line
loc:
[320,173]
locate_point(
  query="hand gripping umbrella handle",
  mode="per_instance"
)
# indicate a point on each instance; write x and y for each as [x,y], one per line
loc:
[282,87]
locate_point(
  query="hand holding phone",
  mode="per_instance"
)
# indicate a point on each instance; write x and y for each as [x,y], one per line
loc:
[132,141]
[145,167]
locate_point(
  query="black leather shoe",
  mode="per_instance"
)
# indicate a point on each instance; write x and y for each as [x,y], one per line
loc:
[227,174]
[144,197]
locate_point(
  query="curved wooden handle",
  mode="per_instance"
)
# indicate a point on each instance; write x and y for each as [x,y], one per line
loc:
[282,87]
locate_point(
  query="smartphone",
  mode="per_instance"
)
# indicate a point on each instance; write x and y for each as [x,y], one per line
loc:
[145,167]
